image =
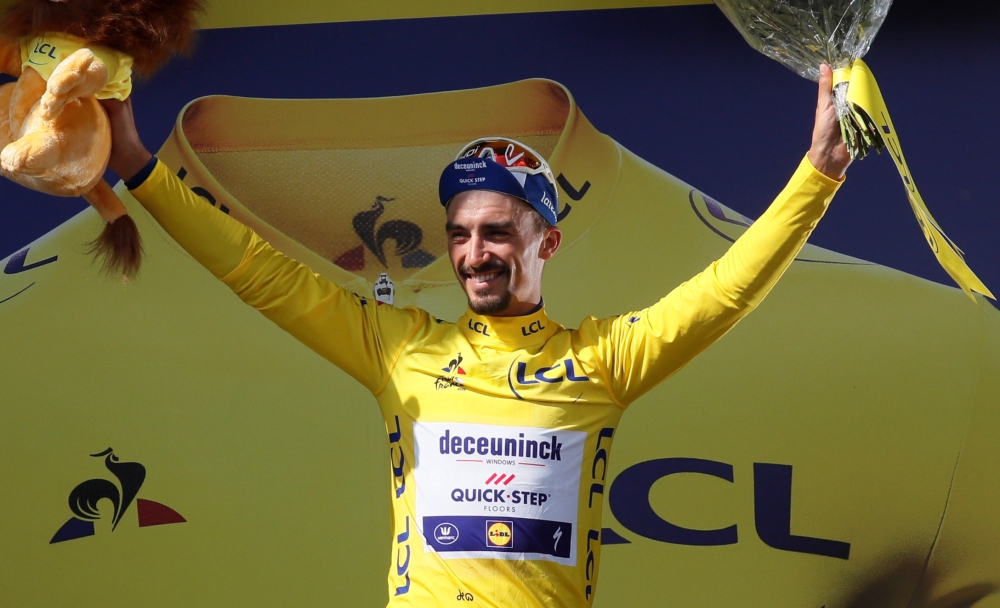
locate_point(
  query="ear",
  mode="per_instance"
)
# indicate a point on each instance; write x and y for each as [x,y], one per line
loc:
[550,242]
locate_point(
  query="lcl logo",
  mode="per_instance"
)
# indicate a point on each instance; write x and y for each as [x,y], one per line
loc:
[533,328]
[629,502]
[561,371]
[479,327]
[45,49]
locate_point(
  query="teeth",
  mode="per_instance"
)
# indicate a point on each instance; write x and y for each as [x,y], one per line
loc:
[484,277]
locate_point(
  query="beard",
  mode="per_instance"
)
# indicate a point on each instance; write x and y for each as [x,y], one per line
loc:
[487,304]
[484,302]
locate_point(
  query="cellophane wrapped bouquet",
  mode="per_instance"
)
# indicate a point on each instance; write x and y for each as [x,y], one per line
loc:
[802,34]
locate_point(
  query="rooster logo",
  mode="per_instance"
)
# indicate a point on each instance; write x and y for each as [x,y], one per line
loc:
[454,367]
[406,235]
[84,499]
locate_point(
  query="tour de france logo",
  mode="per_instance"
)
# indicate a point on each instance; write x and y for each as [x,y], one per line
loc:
[84,499]
[452,372]
[500,534]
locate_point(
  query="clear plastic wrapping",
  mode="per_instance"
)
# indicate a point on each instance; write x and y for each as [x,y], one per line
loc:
[802,34]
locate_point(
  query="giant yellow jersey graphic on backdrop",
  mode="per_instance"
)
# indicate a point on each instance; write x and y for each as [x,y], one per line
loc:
[836,441]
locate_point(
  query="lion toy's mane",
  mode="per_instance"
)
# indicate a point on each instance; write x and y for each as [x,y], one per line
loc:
[148,30]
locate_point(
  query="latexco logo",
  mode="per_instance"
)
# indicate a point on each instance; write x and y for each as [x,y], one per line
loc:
[84,499]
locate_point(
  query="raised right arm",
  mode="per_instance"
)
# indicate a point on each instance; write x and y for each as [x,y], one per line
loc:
[349,330]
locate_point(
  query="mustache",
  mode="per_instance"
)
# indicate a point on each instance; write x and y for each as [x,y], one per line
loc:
[491,266]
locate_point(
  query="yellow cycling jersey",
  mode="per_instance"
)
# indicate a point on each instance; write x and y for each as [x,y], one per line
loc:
[44,53]
[499,428]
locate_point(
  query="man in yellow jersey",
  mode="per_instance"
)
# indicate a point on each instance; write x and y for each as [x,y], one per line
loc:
[499,425]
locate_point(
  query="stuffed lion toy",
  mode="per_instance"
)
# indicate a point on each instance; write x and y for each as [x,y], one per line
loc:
[66,55]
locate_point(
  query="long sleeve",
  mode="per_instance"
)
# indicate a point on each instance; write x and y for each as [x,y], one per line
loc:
[639,349]
[351,331]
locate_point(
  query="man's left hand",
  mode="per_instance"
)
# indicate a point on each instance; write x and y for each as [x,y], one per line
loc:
[828,153]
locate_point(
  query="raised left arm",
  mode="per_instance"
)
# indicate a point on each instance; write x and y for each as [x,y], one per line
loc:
[640,349]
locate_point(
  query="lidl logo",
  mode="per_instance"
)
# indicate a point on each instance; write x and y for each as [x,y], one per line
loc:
[500,534]
[84,499]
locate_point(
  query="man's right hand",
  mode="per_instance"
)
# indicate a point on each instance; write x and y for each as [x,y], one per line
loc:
[128,155]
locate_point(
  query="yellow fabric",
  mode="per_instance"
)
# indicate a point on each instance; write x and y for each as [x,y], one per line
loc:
[448,390]
[863,91]
[238,13]
[45,52]
[277,459]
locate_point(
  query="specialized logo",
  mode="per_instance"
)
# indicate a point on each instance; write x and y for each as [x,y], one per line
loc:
[500,534]
[84,499]
[407,235]
[446,533]
[453,370]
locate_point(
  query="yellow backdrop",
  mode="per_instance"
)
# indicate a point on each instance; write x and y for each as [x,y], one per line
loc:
[858,407]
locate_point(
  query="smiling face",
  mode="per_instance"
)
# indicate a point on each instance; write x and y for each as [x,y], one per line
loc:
[498,246]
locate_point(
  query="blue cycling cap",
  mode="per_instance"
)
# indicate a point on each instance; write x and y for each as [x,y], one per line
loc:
[505,166]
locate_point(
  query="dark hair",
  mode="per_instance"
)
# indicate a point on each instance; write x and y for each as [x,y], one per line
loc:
[539,223]
[150,31]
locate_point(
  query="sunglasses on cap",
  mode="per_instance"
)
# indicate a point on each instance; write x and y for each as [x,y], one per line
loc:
[509,154]
[505,166]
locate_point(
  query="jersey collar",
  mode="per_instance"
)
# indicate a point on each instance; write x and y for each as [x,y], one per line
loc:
[508,333]
[585,162]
